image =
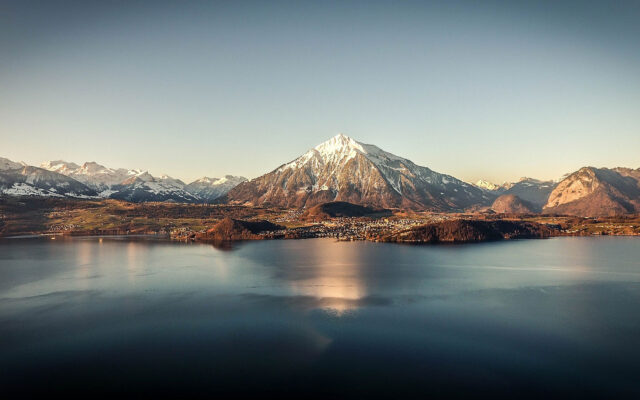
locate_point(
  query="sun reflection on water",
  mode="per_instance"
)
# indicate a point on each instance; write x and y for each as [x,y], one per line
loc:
[333,278]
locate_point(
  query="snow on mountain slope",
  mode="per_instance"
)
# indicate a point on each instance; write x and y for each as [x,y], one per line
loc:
[33,181]
[342,169]
[209,189]
[91,174]
[482,184]
[125,184]
[5,164]
[145,187]
[60,166]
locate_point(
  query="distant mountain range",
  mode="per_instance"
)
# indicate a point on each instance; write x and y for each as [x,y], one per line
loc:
[210,189]
[32,181]
[590,191]
[91,180]
[340,169]
[533,191]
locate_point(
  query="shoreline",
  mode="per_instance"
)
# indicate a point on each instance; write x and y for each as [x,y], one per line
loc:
[167,238]
[185,222]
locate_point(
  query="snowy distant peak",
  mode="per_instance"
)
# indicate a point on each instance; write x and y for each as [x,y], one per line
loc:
[88,168]
[482,184]
[506,185]
[5,164]
[132,172]
[219,181]
[172,181]
[231,179]
[34,181]
[145,177]
[125,184]
[142,186]
[139,177]
[59,166]
[92,167]
[527,179]
[209,189]
[206,180]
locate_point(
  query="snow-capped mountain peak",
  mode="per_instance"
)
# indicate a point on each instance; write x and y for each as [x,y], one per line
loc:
[217,181]
[344,169]
[340,145]
[341,148]
[172,181]
[206,179]
[60,166]
[139,177]
[482,184]
[92,167]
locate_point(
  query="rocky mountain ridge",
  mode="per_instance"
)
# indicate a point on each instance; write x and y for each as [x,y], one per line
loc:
[595,192]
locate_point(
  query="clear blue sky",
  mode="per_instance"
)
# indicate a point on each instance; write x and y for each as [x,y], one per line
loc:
[493,90]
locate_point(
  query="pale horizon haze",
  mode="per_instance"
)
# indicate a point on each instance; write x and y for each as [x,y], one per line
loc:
[491,90]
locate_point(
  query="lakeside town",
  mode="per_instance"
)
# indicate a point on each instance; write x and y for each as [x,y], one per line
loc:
[184,222]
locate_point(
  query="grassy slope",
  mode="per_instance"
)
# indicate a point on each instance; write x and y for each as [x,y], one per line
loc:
[113,216]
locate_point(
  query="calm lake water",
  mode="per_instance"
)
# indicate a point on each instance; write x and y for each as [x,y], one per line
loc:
[319,318]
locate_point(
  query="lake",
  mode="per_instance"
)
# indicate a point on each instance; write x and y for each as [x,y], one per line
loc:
[320,319]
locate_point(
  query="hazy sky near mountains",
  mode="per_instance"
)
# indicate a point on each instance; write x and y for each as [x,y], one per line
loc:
[493,90]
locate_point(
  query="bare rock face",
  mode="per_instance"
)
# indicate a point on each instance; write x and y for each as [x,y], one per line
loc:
[592,192]
[576,186]
[512,204]
[342,169]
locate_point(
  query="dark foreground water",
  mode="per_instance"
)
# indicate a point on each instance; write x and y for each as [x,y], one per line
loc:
[317,318]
